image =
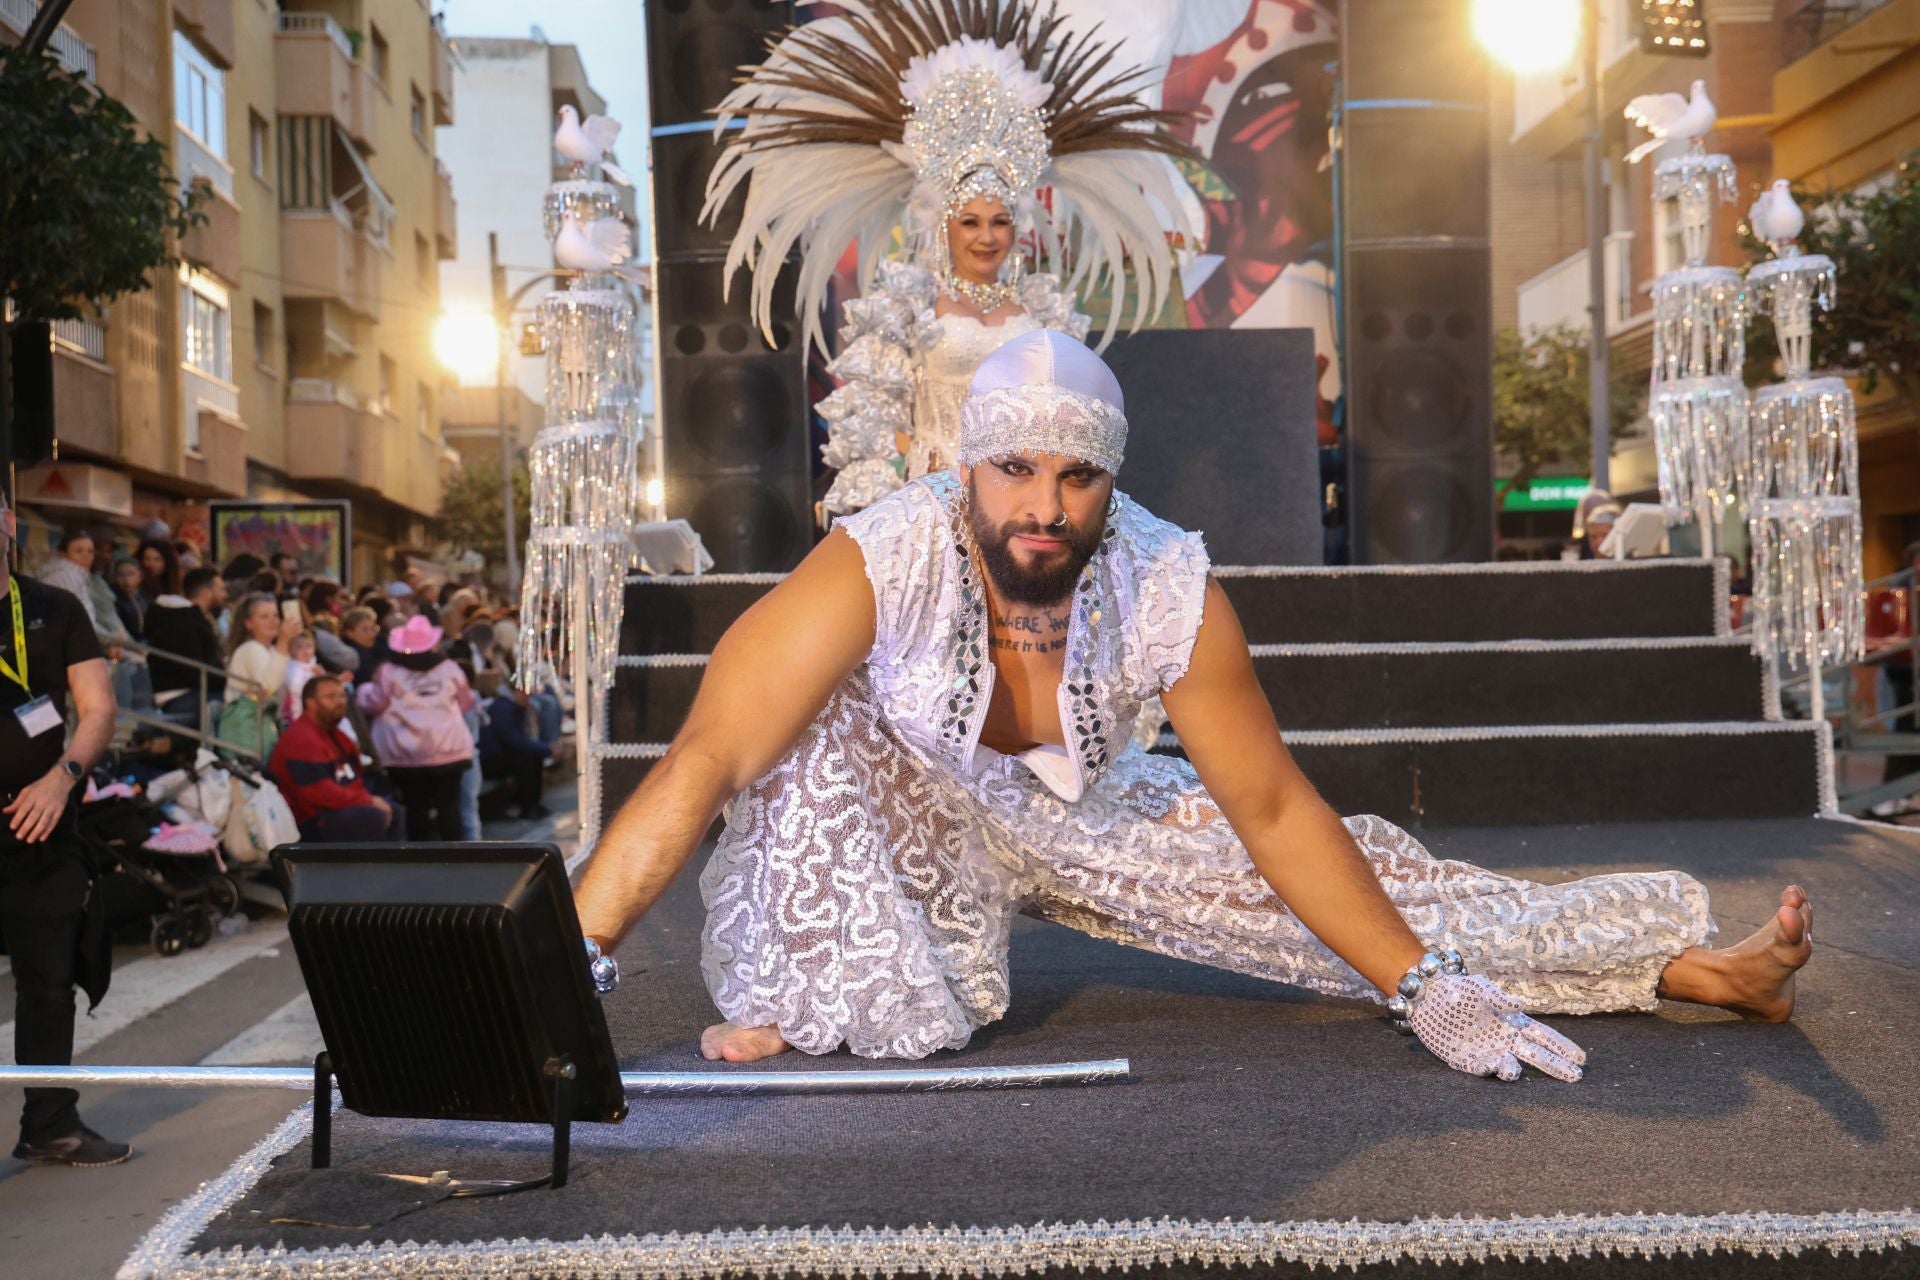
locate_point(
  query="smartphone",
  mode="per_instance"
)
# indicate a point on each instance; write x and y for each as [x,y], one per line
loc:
[290,609]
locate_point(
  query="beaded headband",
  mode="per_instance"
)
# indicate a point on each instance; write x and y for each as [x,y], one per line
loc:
[1044,392]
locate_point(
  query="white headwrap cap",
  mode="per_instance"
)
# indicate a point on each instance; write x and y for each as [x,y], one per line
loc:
[1044,392]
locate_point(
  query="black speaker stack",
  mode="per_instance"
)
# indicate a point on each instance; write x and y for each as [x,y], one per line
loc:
[732,405]
[1416,282]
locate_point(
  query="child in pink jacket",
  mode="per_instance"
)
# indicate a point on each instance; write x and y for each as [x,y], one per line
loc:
[418,700]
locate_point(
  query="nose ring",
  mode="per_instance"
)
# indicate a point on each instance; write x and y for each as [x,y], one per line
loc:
[1061,523]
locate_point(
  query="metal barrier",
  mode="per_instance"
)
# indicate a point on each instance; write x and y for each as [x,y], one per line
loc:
[203,733]
[1855,733]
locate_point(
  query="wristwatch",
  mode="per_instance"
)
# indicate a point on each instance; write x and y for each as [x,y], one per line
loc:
[603,969]
[74,768]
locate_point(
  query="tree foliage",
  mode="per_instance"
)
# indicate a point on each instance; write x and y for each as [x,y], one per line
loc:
[87,200]
[1873,330]
[1541,415]
[472,516]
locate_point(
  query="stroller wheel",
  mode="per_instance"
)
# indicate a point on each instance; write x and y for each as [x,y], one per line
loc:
[223,895]
[199,927]
[169,935]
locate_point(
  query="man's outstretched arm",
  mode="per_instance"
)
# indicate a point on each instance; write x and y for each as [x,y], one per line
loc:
[768,678]
[1298,844]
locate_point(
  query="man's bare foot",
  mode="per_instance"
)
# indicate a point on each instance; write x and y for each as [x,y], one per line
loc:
[741,1044]
[1754,977]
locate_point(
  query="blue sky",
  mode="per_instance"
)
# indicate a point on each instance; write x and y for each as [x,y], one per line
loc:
[612,39]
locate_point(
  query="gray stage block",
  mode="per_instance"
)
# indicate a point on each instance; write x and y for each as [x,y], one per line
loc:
[1221,438]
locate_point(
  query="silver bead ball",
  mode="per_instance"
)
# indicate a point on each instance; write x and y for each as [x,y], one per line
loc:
[1398,1006]
[1410,985]
[1455,962]
[1429,964]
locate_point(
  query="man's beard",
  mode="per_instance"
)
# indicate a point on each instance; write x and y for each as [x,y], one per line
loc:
[1048,580]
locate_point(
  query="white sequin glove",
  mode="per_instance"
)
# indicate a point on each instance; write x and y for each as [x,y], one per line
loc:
[1474,1026]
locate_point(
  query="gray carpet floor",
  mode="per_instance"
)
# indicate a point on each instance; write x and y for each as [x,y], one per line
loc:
[1252,1100]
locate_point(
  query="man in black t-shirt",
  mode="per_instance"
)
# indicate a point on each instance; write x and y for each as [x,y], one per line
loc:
[50,918]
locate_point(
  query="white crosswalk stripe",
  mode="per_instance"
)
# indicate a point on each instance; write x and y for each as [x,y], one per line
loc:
[147,985]
[289,1036]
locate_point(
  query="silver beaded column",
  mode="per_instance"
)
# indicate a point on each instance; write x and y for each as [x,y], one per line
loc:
[1808,589]
[1697,401]
[584,467]
[1809,610]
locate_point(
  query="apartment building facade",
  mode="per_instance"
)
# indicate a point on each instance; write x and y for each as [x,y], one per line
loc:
[288,357]
[1825,92]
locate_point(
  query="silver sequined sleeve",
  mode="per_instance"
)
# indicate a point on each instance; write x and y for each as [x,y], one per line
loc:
[879,335]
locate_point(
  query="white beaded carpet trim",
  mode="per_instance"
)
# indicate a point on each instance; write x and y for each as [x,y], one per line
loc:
[1293,571]
[710,579]
[1490,733]
[1823,751]
[1416,647]
[991,1251]
[1440,570]
[630,750]
[1379,648]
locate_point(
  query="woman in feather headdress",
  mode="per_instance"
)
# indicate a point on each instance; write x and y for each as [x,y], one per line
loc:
[943,119]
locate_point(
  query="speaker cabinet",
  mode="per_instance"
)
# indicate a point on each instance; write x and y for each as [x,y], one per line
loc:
[681,163]
[1416,280]
[733,408]
[695,48]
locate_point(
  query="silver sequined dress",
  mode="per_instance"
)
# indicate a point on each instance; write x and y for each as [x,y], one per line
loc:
[905,370]
[863,889]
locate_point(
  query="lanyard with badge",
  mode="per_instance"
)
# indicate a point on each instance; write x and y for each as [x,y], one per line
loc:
[36,715]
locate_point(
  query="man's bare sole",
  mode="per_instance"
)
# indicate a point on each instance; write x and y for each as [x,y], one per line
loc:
[1754,977]
[741,1044]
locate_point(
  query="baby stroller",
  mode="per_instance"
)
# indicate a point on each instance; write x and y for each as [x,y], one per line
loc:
[175,848]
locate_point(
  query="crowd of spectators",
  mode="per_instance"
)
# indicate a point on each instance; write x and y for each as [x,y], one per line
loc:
[380,712]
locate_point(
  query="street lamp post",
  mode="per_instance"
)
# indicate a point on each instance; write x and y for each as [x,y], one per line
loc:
[1528,36]
[503,325]
[1598,376]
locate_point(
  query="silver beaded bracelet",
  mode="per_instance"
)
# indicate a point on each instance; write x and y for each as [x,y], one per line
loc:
[1433,961]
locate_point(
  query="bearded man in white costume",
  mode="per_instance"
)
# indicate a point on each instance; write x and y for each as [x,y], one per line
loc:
[923,731]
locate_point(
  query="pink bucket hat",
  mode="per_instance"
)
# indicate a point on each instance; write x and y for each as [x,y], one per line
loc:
[416,635]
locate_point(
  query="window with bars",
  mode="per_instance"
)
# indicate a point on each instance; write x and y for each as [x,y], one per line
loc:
[199,96]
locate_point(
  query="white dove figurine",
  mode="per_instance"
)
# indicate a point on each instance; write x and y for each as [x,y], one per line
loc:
[1775,218]
[1670,117]
[603,244]
[590,142]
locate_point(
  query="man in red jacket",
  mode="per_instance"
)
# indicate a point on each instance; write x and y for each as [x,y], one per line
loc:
[317,767]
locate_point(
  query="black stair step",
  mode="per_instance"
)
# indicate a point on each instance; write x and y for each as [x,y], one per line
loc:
[1380,686]
[1507,776]
[1529,600]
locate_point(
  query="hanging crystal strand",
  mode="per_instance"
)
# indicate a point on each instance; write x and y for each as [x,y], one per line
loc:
[1805,442]
[1697,401]
[584,468]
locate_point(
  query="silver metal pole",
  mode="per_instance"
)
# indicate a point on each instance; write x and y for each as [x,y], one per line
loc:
[1597,375]
[638,1083]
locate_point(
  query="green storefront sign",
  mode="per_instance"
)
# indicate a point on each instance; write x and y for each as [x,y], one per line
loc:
[1545,493]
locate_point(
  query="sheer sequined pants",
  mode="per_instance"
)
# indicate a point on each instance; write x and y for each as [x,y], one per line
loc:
[862,895]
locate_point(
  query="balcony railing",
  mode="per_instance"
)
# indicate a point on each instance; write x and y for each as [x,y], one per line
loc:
[74,53]
[320,22]
[1814,22]
[88,337]
[1558,296]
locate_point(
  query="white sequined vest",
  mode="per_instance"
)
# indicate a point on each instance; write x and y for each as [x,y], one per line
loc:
[1135,614]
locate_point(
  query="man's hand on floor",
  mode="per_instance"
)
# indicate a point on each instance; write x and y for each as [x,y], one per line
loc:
[1474,1026]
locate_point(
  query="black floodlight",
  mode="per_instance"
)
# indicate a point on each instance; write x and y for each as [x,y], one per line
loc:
[1674,26]
[450,982]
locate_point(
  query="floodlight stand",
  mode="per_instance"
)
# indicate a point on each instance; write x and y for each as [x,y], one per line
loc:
[559,1070]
